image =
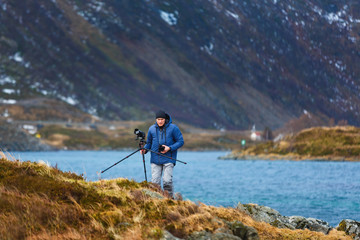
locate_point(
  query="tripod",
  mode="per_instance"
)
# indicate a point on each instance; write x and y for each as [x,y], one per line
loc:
[141,144]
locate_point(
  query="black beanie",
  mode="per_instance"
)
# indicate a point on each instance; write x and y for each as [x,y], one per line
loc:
[160,114]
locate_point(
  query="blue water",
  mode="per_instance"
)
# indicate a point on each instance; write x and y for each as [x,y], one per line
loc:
[325,190]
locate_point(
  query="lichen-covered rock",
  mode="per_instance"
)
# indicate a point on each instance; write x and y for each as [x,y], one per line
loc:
[273,217]
[243,231]
[203,235]
[310,223]
[168,236]
[152,194]
[350,227]
[266,214]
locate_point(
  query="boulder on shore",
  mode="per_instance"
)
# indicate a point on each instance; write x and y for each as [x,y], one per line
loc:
[236,231]
[274,218]
[350,227]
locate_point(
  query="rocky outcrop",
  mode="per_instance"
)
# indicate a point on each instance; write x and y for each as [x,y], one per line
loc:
[238,231]
[168,236]
[312,224]
[243,231]
[203,235]
[266,214]
[273,217]
[235,231]
[350,227]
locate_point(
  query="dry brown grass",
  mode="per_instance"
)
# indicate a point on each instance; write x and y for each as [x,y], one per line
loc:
[57,205]
[57,140]
[6,155]
[327,143]
[266,231]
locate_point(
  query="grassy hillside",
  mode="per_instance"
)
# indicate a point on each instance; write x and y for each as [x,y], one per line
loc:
[332,143]
[42,202]
[101,137]
[44,109]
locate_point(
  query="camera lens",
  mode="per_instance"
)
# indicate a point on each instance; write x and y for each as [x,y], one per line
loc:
[161,148]
[139,134]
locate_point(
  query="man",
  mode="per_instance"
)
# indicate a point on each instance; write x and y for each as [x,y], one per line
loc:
[166,138]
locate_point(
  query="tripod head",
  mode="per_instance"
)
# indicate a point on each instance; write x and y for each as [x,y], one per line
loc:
[140,135]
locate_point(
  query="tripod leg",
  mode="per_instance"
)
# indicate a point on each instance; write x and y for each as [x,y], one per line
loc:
[143,156]
[121,160]
[164,155]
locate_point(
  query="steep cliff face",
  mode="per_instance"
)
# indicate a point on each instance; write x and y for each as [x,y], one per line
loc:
[210,63]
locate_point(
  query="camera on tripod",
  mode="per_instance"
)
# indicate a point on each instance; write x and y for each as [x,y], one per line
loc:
[140,135]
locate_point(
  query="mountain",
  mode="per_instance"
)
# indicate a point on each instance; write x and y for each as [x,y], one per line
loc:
[216,63]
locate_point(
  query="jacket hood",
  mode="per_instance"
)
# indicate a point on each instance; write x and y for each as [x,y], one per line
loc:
[168,121]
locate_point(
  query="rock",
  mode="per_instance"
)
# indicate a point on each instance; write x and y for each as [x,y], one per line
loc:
[224,236]
[350,227]
[203,235]
[178,196]
[152,194]
[310,223]
[266,214]
[243,231]
[273,217]
[168,236]
[224,230]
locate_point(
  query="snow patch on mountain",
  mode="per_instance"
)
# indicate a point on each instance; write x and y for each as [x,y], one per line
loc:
[342,17]
[9,91]
[231,14]
[17,57]
[8,101]
[69,100]
[208,48]
[169,18]
[97,5]
[7,80]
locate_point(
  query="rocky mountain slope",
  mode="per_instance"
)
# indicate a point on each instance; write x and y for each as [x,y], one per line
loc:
[13,138]
[211,63]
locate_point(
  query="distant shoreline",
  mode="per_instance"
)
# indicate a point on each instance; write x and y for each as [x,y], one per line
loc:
[331,144]
[277,157]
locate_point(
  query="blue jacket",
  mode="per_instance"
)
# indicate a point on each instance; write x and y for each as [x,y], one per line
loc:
[170,136]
